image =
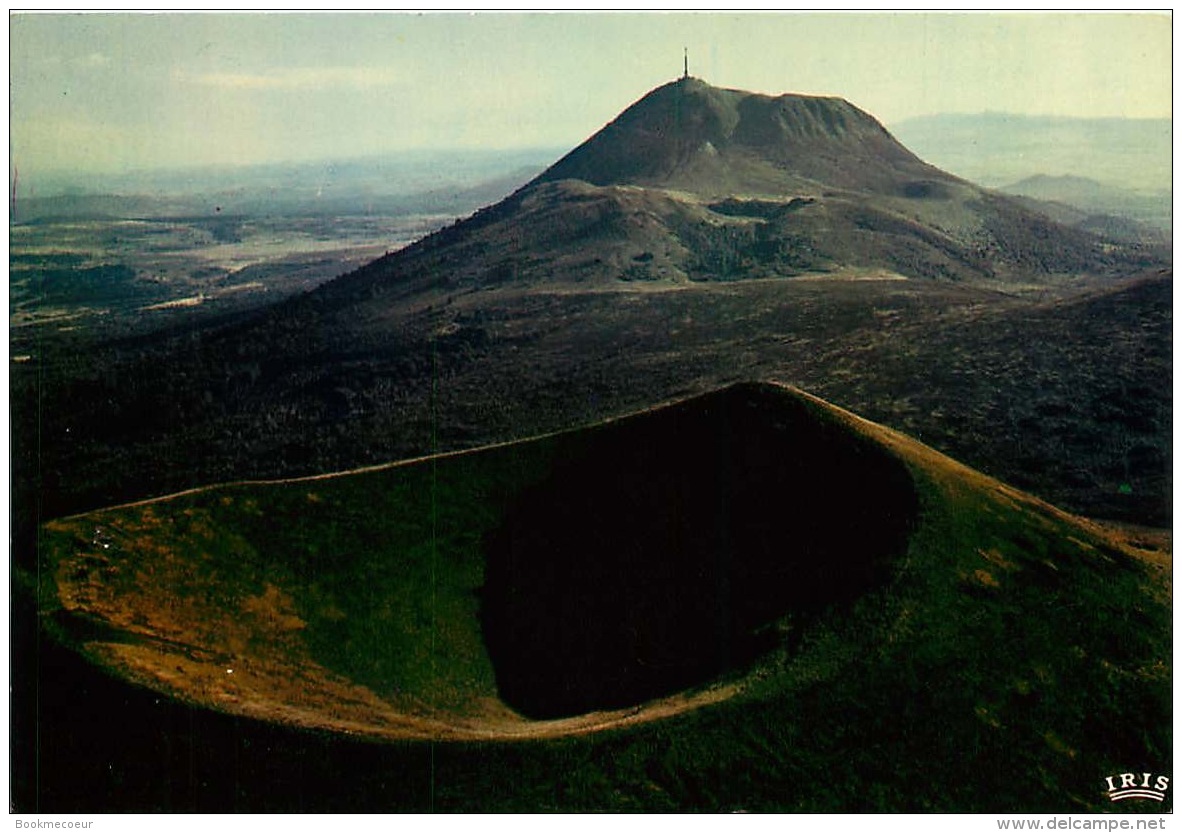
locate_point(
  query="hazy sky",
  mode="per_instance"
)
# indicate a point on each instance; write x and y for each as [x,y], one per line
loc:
[108,93]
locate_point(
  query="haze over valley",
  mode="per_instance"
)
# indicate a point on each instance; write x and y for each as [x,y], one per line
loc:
[98,256]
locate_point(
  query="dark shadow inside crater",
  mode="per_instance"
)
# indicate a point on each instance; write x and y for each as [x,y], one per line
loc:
[660,548]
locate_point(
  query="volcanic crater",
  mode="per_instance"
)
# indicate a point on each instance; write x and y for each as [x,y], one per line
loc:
[664,550]
[588,571]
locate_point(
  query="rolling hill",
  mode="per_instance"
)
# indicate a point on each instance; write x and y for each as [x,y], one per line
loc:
[1096,203]
[996,149]
[752,580]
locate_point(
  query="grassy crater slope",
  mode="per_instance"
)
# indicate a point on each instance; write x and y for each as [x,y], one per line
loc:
[750,599]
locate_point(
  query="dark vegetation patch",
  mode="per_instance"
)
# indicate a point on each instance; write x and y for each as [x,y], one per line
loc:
[661,552]
[23,260]
[1033,242]
[1070,400]
[82,285]
[767,209]
[925,190]
[728,252]
[223,229]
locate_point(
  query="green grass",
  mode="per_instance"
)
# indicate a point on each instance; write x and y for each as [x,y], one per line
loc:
[1013,660]
[383,567]
[937,694]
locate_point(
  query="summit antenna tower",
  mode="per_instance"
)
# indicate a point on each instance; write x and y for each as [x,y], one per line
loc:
[685,58]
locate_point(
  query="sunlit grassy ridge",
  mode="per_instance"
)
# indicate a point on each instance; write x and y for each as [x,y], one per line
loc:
[1010,657]
[373,576]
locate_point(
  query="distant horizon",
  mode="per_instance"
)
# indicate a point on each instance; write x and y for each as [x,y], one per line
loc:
[213,166]
[65,182]
[463,151]
[107,93]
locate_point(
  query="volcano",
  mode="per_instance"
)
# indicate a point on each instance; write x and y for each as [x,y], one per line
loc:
[690,136]
[695,183]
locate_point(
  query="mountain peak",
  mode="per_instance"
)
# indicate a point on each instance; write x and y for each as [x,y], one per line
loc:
[698,183]
[688,134]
